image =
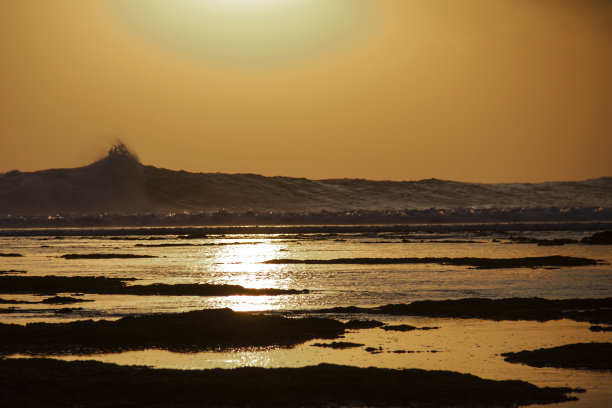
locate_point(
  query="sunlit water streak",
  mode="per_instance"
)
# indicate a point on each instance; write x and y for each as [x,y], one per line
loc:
[237,260]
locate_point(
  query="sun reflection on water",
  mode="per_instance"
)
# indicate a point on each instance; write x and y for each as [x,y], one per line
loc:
[249,255]
[238,261]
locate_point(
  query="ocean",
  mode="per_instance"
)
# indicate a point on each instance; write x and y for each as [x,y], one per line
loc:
[134,240]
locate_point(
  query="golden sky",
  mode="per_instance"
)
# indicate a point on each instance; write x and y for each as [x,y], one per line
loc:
[467,90]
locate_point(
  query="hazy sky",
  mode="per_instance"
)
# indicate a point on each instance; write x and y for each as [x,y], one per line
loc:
[468,90]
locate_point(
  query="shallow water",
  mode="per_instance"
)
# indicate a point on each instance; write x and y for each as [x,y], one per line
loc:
[237,260]
[469,346]
[461,345]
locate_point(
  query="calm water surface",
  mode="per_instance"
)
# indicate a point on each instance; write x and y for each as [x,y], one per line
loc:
[237,259]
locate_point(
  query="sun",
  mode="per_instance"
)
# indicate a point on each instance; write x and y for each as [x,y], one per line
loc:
[245,31]
[251,3]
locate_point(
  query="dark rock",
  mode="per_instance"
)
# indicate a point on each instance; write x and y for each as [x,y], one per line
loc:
[63,300]
[192,331]
[67,310]
[600,328]
[363,324]
[406,328]
[340,309]
[105,256]
[543,242]
[599,238]
[54,383]
[12,272]
[117,286]
[338,345]
[594,356]
[400,328]
[596,311]
[477,263]
[15,302]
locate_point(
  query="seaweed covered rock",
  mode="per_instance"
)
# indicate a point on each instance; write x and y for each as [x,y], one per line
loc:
[212,329]
[596,356]
[52,383]
[599,238]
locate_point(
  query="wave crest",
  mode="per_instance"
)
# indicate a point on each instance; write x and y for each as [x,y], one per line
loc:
[119,183]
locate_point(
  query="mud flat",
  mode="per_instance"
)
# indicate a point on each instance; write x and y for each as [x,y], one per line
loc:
[50,285]
[594,356]
[53,383]
[476,263]
[215,329]
[596,311]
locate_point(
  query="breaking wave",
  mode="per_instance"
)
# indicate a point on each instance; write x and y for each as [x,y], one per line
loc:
[120,184]
[114,183]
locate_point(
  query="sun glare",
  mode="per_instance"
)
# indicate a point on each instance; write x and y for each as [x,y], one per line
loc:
[252,3]
[244,261]
[245,30]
